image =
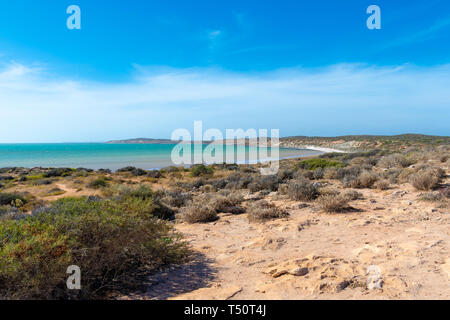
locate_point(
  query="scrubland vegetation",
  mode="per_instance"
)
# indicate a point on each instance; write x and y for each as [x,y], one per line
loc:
[117,225]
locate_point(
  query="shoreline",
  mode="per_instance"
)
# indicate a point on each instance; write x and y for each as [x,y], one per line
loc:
[291,152]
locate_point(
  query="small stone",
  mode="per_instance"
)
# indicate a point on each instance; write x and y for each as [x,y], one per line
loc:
[299,271]
[373,201]
[303,205]
[434,210]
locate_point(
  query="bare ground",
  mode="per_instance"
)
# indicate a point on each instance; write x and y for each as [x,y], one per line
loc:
[314,255]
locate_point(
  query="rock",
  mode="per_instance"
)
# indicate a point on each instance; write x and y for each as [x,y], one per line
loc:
[373,201]
[303,205]
[299,271]
[434,210]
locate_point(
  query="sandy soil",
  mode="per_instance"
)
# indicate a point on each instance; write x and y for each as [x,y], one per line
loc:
[390,246]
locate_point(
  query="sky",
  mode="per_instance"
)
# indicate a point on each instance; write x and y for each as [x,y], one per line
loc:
[146,68]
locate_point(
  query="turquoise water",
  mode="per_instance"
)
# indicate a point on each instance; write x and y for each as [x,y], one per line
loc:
[109,156]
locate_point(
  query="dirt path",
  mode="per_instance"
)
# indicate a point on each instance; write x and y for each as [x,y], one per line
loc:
[314,255]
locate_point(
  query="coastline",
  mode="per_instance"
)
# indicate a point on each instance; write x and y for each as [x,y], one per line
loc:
[106,156]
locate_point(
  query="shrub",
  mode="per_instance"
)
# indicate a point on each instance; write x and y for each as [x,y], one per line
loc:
[200,170]
[313,164]
[382,185]
[348,173]
[145,199]
[154,174]
[238,180]
[126,169]
[302,190]
[259,183]
[333,202]
[198,212]
[330,173]
[262,211]
[285,174]
[98,183]
[395,160]
[174,198]
[138,172]
[425,179]
[59,172]
[229,203]
[9,198]
[431,196]
[354,195]
[283,189]
[365,180]
[328,191]
[318,174]
[392,175]
[107,240]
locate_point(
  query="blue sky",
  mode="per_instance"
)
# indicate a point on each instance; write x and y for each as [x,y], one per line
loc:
[145,68]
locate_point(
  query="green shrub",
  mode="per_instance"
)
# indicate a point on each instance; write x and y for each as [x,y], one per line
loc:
[108,240]
[9,198]
[313,164]
[59,172]
[98,183]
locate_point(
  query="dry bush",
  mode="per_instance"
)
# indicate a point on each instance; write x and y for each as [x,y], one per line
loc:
[431,196]
[283,188]
[392,175]
[405,175]
[333,202]
[205,207]
[365,180]
[197,212]
[382,185]
[285,174]
[174,198]
[263,211]
[207,188]
[259,183]
[354,195]
[318,174]
[302,190]
[228,203]
[395,160]
[330,173]
[425,179]
[325,191]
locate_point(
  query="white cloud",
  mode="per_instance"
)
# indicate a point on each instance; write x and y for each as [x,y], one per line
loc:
[340,99]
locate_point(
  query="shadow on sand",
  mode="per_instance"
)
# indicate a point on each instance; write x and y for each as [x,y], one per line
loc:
[177,280]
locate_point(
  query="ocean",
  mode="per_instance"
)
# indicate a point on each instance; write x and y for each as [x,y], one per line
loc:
[113,156]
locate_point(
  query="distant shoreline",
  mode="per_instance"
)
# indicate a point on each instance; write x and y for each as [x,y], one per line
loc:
[115,156]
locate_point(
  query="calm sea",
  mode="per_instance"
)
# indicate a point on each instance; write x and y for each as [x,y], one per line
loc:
[108,156]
